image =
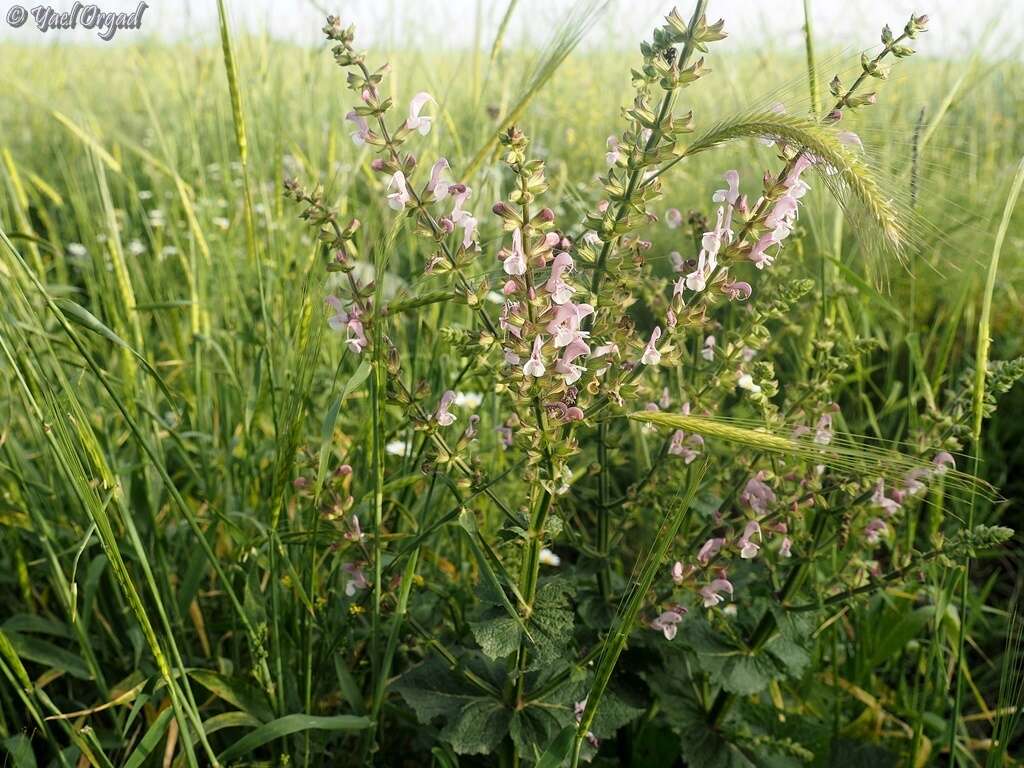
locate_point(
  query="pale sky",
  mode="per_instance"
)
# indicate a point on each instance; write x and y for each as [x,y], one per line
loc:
[956,25]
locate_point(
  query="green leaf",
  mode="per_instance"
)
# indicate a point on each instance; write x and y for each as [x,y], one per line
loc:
[79,314]
[49,655]
[444,757]
[348,686]
[552,622]
[435,691]
[289,724]
[479,727]
[361,374]
[236,691]
[615,712]
[789,647]
[746,674]
[534,726]
[558,750]
[151,739]
[904,630]
[496,633]
[20,750]
[229,720]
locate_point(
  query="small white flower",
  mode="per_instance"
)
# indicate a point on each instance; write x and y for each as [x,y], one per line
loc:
[397,448]
[468,399]
[746,381]
[547,557]
[77,250]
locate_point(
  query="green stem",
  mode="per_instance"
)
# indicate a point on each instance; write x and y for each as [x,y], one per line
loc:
[812,74]
[615,643]
[766,626]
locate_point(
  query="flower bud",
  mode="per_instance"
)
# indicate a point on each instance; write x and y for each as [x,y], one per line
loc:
[544,216]
[378,165]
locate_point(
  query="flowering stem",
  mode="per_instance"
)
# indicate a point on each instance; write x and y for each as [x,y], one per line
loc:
[762,208]
[766,626]
[377,411]
[874,586]
[429,220]
[652,142]
[604,567]
[615,643]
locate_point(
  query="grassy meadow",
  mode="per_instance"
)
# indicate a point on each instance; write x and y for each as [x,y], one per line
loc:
[184,439]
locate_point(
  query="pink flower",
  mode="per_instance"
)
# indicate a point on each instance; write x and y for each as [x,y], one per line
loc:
[874,531]
[732,193]
[707,262]
[757,494]
[651,355]
[357,579]
[708,353]
[612,155]
[912,481]
[687,447]
[879,499]
[570,372]
[748,548]
[803,161]
[681,572]
[673,218]
[506,436]
[709,550]
[400,197]
[667,623]
[468,224]
[511,322]
[565,325]
[712,593]
[578,709]
[786,547]
[356,532]
[678,262]
[943,460]
[362,133]
[850,139]
[560,291]
[535,366]
[737,290]
[442,416]
[515,262]
[415,121]
[823,430]
[348,322]
[437,187]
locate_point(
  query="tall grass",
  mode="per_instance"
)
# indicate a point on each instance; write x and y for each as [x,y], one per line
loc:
[169,589]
